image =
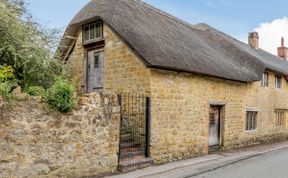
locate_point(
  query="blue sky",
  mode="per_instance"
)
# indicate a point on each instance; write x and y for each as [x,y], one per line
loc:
[234,17]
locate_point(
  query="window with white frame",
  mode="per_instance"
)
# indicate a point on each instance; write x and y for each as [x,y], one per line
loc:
[92,31]
[278,81]
[264,80]
[280,118]
[251,120]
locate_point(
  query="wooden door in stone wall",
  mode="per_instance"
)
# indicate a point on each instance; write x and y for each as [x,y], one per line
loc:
[214,126]
[95,69]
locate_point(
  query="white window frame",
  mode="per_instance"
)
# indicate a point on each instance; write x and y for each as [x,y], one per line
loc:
[278,81]
[265,79]
[253,124]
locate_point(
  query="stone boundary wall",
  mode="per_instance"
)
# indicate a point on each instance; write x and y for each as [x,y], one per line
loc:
[36,141]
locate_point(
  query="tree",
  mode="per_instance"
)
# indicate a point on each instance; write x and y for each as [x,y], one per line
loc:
[27,46]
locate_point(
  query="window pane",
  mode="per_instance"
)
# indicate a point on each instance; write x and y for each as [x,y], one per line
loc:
[98,30]
[92,32]
[255,121]
[212,120]
[247,120]
[280,118]
[251,120]
[264,80]
[86,33]
[96,60]
[278,81]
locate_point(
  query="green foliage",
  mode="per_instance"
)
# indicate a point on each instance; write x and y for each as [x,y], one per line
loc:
[26,46]
[7,81]
[27,49]
[6,73]
[6,88]
[36,91]
[60,95]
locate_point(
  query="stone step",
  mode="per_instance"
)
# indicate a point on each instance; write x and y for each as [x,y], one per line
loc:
[130,144]
[123,132]
[129,130]
[135,163]
[131,152]
[127,140]
[126,136]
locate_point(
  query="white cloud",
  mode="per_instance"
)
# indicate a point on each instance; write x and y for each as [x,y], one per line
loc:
[270,34]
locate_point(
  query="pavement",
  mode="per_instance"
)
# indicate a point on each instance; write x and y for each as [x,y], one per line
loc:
[272,164]
[204,166]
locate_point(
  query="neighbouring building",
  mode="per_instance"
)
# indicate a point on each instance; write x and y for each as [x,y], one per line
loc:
[183,89]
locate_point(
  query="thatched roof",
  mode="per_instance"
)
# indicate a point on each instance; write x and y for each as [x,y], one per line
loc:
[163,41]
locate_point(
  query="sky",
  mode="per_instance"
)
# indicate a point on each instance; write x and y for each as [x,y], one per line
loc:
[234,17]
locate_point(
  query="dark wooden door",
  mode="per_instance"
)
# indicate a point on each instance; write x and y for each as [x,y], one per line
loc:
[214,126]
[95,68]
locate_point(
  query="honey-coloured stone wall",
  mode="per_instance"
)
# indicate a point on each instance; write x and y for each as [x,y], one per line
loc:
[180,113]
[36,141]
[124,71]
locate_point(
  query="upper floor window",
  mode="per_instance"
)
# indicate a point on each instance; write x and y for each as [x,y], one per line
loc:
[278,81]
[264,80]
[93,31]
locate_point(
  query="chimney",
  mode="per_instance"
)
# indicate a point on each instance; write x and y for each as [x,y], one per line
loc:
[283,51]
[253,40]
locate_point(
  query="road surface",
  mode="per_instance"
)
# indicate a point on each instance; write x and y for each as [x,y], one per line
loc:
[270,165]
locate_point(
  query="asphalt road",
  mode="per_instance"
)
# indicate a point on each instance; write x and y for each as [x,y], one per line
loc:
[270,165]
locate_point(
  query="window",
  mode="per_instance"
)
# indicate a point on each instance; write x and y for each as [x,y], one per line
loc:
[92,31]
[278,81]
[264,80]
[251,120]
[96,60]
[212,119]
[280,118]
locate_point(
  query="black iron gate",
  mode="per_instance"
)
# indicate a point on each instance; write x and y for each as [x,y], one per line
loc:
[134,127]
[1,110]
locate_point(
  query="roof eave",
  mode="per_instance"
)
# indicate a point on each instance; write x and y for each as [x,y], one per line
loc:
[200,73]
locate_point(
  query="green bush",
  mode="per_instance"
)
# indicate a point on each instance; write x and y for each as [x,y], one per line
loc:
[60,95]
[6,88]
[36,91]
[6,73]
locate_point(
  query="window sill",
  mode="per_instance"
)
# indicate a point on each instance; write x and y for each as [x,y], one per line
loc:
[98,40]
[251,131]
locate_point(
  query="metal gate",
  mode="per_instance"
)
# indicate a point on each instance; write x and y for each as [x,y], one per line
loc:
[134,126]
[1,110]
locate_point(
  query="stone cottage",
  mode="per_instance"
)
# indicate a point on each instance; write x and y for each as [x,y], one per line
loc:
[199,89]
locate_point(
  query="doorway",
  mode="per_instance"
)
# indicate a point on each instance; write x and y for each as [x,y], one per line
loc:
[95,69]
[215,115]
[134,127]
